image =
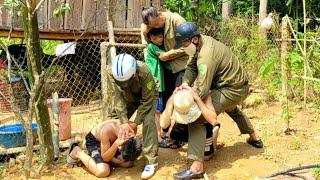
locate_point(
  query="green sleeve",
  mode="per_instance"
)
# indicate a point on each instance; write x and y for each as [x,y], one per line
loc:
[152,58]
[207,65]
[117,99]
[147,99]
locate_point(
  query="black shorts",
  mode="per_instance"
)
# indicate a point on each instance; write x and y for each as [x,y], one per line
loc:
[169,85]
[94,148]
[180,132]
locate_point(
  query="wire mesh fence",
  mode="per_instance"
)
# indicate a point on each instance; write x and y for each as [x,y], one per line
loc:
[75,76]
[78,76]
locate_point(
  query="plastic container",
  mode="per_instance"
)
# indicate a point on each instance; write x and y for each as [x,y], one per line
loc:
[13,135]
[4,101]
[64,117]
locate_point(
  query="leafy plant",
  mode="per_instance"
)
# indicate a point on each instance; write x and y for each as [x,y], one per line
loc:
[316,172]
[49,46]
[196,10]
[60,11]
[296,144]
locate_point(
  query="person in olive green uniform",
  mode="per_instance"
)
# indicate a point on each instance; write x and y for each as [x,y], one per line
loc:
[213,71]
[152,18]
[133,91]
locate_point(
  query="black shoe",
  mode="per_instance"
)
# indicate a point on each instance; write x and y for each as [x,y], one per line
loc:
[255,143]
[187,175]
[70,160]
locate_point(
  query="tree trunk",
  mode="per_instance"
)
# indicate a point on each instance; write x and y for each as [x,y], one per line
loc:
[226,9]
[263,10]
[55,124]
[262,15]
[38,90]
[284,73]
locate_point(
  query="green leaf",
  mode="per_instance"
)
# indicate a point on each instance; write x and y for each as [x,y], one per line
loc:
[267,67]
[289,2]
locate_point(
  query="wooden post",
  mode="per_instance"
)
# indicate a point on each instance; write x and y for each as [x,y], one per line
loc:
[111,40]
[262,14]
[143,40]
[108,52]
[108,10]
[104,46]
[55,124]
[284,73]
[305,88]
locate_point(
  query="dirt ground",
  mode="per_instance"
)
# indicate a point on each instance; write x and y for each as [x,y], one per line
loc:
[235,159]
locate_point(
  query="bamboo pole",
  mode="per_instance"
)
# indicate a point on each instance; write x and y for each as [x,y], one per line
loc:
[104,59]
[108,52]
[284,74]
[108,9]
[144,42]
[112,41]
[305,88]
[55,123]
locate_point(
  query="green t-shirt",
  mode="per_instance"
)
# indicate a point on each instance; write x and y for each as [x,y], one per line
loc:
[154,64]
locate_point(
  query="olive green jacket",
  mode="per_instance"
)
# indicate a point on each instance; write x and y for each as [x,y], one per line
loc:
[172,21]
[215,67]
[141,91]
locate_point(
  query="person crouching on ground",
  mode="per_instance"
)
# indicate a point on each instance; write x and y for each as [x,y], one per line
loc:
[214,71]
[106,148]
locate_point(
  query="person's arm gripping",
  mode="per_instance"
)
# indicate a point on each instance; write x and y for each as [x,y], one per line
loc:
[108,151]
[171,55]
[147,99]
[207,65]
[191,72]
[117,99]
[207,109]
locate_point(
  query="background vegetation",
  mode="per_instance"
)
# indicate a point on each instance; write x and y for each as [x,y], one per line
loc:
[261,56]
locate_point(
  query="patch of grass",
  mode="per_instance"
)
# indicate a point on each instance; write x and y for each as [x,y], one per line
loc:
[316,172]
[296,143]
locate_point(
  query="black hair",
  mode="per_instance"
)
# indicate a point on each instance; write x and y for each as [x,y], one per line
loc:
[154,32]
[131,149]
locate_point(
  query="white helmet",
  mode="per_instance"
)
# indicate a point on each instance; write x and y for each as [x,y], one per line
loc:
[123,67]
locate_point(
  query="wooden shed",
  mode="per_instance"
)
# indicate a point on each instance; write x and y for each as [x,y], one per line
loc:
[87,18]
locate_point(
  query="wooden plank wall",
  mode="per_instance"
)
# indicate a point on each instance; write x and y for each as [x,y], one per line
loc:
[4,19]
[118,10]
[85,15]
[73,18]
[43,15]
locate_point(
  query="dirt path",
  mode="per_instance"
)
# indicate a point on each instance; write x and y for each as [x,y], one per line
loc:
[235,159]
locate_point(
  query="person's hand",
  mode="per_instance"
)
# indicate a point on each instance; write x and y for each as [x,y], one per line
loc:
[125,131]
[119,141]
[145,29]
[181,87]
[195,95]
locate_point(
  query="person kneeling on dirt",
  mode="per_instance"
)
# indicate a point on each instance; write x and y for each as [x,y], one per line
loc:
[106,148]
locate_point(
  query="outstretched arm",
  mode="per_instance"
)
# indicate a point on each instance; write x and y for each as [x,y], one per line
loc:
[205,106]
[172,54]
